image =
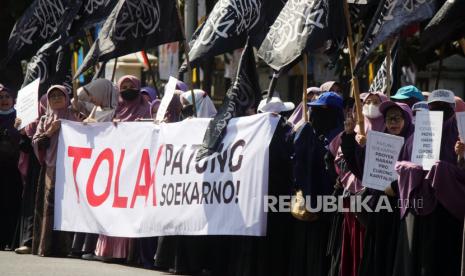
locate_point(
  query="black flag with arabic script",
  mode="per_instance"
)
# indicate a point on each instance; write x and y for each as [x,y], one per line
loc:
[52,65]
[91,13]
[245,93]
[380,83]
[389,19]
[134,25]
[229,25]
[301,25]
[42,21]
[448,24]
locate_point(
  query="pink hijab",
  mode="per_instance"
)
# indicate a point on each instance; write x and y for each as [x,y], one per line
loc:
[459,104]
[138,108]
[44,124]
[348,180]
[376,124]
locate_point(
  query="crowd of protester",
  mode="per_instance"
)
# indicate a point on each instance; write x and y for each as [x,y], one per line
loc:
[322,156]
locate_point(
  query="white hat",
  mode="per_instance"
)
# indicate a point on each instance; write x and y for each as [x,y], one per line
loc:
[275,105]
[442,95]
[419,106]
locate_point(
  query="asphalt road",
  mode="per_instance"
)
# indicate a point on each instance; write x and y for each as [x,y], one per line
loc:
[25,265]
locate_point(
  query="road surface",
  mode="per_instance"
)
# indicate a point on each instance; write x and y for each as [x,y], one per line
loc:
[25,265]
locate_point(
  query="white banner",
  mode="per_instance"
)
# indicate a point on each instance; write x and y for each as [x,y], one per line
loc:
[142,180]
[427,138]
[382,153]
[461,125]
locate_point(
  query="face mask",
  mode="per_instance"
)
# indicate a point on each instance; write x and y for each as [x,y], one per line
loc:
[445,108]
[129,94]
[371,111]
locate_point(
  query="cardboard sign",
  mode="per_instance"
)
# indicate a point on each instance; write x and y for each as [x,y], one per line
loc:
[27,103]
[427,138]
[165,102]
[382,153]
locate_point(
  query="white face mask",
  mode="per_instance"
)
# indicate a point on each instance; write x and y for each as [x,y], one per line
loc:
[371,111]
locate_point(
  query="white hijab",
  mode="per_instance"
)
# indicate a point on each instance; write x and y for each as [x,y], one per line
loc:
[203,103]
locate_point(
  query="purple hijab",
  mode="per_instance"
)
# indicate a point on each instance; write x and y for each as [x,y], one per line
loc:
[444,182]
[128,111]
[156,103]
[150,91]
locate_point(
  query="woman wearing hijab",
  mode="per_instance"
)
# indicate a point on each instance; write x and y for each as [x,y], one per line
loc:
[437,225]
[98,102]
[45,142]
[314,177]
[204,105]
[379,245]
[131,105]
[10,182]
[154,106]
[267,255]
[332,86]
[347,246]
[29,167]
[150,94]
[171,254]
[99,98]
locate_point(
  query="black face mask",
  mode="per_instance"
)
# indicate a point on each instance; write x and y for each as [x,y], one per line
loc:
[129,94]
[323,120]
[187,111]
[446,108]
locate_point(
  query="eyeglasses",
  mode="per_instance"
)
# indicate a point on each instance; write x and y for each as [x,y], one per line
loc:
[394,119]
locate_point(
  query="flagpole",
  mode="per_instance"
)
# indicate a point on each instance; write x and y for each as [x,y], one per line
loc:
[90,41]
[438,77]
[186,53]
[114,69]
[146,57]
[304,90]
[272,86]
[355,84]
[73,71]
[388,67]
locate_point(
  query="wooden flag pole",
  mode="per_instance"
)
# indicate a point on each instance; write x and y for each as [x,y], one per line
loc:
[304,90]
[355,84]
[441,57]
[114,70]
[186,53]
[90,41]
[388,67]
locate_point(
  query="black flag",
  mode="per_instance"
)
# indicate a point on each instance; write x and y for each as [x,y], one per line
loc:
[134,25]
[245,93]
[42,21]
[229,25]
[301,25]
[389,19]
[52,64]
[91,13]
[448,24]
